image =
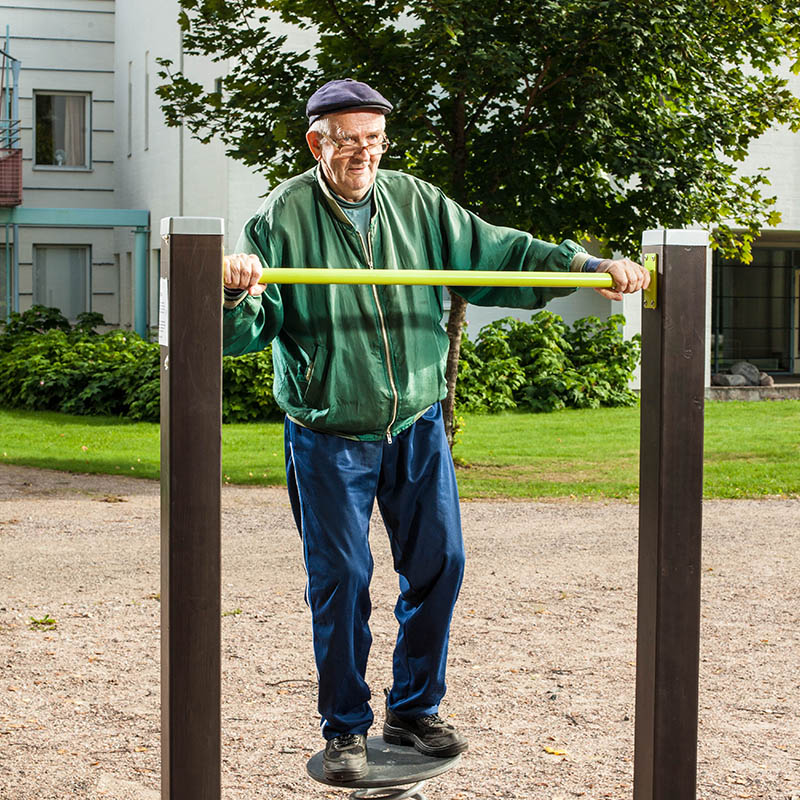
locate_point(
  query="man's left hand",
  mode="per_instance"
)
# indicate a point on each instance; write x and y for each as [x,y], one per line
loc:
[628,277]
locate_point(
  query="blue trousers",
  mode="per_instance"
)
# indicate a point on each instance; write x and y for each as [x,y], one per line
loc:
[333,483]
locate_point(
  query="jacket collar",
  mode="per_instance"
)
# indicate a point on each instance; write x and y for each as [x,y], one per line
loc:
[331,200]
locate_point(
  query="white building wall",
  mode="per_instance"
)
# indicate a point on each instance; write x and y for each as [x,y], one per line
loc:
[164,169]
[779,149]
[67,46]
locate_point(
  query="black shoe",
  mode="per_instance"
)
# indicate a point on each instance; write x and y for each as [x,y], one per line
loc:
[345,757]
[430,735]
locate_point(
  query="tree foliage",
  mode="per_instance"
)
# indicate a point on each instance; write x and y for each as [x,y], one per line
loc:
[561,117]
[587,119]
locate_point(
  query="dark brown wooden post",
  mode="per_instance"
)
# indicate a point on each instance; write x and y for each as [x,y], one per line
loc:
[670,519]
[190,334]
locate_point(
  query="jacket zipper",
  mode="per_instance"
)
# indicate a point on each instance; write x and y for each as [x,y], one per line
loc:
[368,253]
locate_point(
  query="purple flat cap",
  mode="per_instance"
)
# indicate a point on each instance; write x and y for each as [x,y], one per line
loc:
[344,94]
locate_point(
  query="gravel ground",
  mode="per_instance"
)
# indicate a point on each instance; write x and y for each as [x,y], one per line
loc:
[541,659]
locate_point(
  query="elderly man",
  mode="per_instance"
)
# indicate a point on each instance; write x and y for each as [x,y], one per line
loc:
[359,371]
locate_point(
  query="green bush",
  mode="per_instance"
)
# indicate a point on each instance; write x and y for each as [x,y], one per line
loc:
[542,365]
[48,365]
[605,359]
[247,387]
[80,372]
[37,319]
[488,373]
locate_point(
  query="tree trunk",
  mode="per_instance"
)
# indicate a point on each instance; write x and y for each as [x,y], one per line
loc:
[458,306]
[455,323]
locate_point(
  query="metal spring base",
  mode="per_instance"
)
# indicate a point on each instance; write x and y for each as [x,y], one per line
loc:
[395,772]
[388,793]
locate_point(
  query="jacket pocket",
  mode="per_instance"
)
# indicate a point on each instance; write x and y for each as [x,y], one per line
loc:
[315,378]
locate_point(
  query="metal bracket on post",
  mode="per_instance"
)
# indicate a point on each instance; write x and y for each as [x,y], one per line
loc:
[650,294]
[670,519]
[190,335]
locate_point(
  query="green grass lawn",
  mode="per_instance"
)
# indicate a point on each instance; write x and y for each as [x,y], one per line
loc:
[751,450]
[251,453]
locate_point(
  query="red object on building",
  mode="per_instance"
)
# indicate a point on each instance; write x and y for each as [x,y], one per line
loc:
[10,177]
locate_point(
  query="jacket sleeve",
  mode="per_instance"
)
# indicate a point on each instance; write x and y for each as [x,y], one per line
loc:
[251,323]
[470,243]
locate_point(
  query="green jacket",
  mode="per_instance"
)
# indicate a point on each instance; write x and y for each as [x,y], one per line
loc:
[366,361]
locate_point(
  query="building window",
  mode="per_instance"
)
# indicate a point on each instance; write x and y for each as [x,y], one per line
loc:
[756,311]
[61,278]
[62,130]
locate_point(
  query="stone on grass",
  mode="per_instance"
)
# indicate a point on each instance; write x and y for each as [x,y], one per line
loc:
[749,371]
[723,379]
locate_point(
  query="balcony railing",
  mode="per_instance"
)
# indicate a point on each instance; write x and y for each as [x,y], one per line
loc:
[10,164]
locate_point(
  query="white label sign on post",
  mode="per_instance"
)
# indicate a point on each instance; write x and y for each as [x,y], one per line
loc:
[163,312]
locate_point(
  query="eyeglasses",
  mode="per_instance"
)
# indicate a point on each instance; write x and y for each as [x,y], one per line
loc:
[349,147]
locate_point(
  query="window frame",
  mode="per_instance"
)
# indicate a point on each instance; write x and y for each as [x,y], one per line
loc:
[87,96]
[720,315]
[87,248]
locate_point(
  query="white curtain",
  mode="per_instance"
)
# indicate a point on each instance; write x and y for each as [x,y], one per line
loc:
[74,130]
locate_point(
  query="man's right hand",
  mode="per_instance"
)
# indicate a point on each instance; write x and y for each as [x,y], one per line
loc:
[242,271]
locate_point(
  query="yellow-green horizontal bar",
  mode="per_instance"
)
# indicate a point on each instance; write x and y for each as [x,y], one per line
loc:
[436,277]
